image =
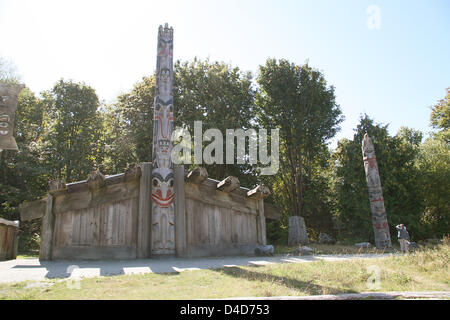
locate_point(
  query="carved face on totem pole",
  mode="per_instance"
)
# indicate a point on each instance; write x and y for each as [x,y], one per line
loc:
[165,82]
[163,118]
[162,187]
[163,218]
[8,105]
[367,146]
[162,159]
[165,51]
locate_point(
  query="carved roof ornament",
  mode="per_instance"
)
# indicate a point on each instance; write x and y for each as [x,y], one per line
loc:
[260,192]
[95,180]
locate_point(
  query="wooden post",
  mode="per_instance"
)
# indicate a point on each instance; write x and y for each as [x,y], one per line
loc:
[15,244]
[47,230]
[261,223]
[180,213]
[145,211]
[259,193]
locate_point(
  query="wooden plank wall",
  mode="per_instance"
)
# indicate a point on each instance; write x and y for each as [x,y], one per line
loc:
[219,223]
[111,221]
[8,242]
[103,230]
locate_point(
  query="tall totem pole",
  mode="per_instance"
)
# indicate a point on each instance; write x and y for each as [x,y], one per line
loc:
[163,220]
[379,217]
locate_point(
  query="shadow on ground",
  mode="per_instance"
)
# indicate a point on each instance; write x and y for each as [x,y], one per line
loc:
[306,287]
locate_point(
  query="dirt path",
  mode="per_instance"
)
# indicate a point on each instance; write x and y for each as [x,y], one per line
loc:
[35,270]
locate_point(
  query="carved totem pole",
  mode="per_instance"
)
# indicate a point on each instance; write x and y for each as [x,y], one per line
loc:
[379,217]
[163,220]
[8,105]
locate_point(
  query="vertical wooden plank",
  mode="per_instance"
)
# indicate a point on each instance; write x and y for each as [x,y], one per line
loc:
[115,224]
[201,215]
[65,229]
[83,226]
[196,222]
[16,243]
[135,221]
[9,241]
[228,225]
[76,216]
[189,224]
[124,209]
[254,230]
[261,223]
[47,230]
[87,227]
[128,225]
[205,209]
[97,224]
[248,230]
[180,212]
[109,224]
[144,212]
[103,224]
[3,238]
[59,229]
[57,233]
[217,225]
[236,226]
[90,220]
[244,232]
[211,224]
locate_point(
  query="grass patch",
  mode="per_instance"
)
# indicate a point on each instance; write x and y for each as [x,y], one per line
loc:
[423,270]
[330,249]
[27,256]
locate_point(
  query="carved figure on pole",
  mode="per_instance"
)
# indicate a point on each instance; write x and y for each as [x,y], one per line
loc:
[8,106]
[379,217]
[163,220]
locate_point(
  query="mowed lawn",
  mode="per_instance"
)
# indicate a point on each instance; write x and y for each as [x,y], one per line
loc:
[423,270]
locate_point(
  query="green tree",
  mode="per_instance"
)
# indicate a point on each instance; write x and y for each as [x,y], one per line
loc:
[134,112]
[222,97]
[298,101]
[72,142]
[120,150]
[434,164]
[398,174]
[217,94]
[22,175]
[440,117]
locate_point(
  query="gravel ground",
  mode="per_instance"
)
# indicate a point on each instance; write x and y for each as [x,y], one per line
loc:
[35,270]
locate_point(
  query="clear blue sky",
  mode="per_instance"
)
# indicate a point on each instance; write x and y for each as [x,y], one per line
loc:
[393,73]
